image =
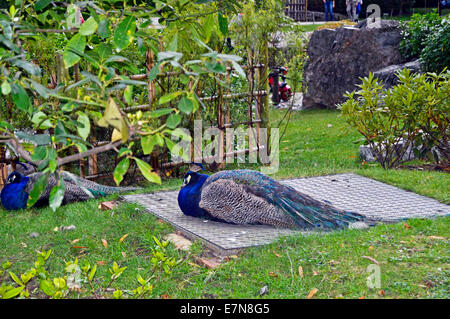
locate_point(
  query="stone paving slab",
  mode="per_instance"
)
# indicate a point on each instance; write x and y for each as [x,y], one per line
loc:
[363,195]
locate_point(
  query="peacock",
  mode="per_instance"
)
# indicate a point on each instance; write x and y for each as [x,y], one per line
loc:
[15,193]
[249,197]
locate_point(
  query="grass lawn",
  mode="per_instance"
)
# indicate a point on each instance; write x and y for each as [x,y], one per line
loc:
[413,258]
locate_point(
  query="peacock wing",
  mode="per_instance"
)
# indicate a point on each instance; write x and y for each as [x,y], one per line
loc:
[45,194]
[303,209]
[229,201]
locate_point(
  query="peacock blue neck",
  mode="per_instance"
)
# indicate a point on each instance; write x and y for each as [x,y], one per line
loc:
[189,196]
[13,195]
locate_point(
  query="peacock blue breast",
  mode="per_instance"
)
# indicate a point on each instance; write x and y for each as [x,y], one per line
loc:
[189,197]
[13,196]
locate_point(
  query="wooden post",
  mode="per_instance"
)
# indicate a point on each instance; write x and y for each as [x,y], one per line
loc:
[92,165]
[3,171]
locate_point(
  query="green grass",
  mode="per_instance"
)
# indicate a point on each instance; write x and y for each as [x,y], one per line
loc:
[413,259]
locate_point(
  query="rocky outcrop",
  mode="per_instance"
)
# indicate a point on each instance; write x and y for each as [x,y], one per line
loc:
[338,58]
[389,74]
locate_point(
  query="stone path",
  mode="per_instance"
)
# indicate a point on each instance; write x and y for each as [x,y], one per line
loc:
[346,191]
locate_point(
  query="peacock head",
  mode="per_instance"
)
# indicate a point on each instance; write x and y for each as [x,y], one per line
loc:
[189,178]
[14,177]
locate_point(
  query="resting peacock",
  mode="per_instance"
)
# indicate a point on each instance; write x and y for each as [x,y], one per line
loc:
[17,189]
[250,197]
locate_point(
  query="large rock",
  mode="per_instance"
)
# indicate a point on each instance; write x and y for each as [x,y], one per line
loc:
[389,74]
[338,58]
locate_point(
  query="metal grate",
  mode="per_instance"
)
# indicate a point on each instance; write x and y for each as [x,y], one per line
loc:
[346,191]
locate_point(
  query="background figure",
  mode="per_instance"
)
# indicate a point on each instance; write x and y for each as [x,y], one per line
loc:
[329,5]
[351,9]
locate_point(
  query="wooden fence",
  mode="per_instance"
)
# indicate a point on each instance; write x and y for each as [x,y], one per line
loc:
[296,9]
[255,97]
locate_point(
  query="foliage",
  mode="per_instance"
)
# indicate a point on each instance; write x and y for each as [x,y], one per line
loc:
[394,120]
[96,58]
[79,274]
[427,37]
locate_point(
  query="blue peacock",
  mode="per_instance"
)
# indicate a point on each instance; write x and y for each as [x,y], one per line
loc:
[249,197]
[15,193]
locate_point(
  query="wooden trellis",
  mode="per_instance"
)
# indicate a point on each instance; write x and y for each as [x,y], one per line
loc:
[223,112]
[256,97]
[296,9]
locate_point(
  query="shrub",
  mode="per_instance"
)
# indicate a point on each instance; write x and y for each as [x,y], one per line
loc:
[427,37]
[412,114]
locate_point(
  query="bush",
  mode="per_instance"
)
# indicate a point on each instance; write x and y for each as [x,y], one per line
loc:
[427,37]
[411,115]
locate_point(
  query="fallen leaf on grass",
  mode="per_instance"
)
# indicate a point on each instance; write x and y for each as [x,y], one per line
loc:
[24,245]
[194,264]
[124,254]
[123,238]
[362,297]
[371,259]
[101,262]
[75,241]
[406,226]
[276,254]
[79,247]
[166,296]
[312,293]
[300,271]
[436,237]
[272,274]
[105,243]
[315,273]
[381,293]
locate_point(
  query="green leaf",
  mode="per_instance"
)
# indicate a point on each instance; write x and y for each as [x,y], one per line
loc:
[41,4]
[47,287]
[223,24]
[104,50]
[92,272]
[186,105]
[160,112]
[78,43]
[124,33]
[88,27]
[84,131]
[13,292]
[153,72]
[41,117]
[103,28]
[168,97]
[238,68]
[57,195]
[38,139]
[6,88]
[15,278]
[29,67]
[21,98]
[173,120]
[121,170]
[40,89]
[37,189]
[146,170]
[128,94]
[148,142]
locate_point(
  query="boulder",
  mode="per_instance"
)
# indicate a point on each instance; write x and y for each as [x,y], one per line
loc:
[389,74]
[338,58]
